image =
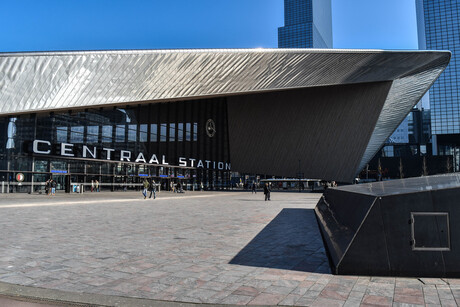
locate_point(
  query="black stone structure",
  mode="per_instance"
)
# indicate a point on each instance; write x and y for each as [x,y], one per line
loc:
[407,227]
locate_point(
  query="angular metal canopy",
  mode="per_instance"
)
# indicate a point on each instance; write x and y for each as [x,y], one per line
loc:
[44,81]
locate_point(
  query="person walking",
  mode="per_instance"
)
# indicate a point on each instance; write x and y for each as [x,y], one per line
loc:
[145,184]
[254,188]
[53,187]
[92,185]
[152,188]
[47,187]
[267,192]
[97,185]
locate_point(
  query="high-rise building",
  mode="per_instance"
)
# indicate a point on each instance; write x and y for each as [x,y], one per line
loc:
[439,29]
[307,24]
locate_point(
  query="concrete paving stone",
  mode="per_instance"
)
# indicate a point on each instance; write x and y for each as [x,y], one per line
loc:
[304,301]
[408,291]
[202,294]
[352,302]
[448,303]
[376,300]
[445,294]
[213,285]
[256,283]
[433,281]
[311,294]
[289,300]
[286,283]
[432,299]
[356,295]
[332,294]
[246,290]
[236,299]
[409,299]
[183,248]
[279,290]
[383,280]
[396,304]
[321,302]
[267,299]
[318,286]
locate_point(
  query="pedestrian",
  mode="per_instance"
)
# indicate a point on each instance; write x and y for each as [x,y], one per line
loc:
[152,188]
[47,187]
[254,188]
[92,185]
[179,187]
[97,185]
[267,192]
[146,186]
[53,187]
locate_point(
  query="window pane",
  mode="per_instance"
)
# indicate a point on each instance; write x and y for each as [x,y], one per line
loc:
[76,134]
[163,128]
[61,134]
[120,133]
[143,133]
[92,133]
[132,131]
[107,133]
[180,132]
[153,133]
[195,131]
[172,132]
[188,131]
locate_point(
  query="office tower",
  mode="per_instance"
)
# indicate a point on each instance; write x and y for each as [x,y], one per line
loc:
[439,29]
[307,24]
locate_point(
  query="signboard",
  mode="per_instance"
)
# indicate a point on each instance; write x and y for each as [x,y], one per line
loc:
[20,177]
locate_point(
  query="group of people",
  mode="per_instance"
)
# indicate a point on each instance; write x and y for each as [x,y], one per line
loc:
[94,185]
[149,186]
[50,187]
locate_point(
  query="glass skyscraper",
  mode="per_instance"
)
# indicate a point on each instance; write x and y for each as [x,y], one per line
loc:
[439,29]
[307,24]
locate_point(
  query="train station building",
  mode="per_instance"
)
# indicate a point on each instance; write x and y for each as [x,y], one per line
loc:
[196,116]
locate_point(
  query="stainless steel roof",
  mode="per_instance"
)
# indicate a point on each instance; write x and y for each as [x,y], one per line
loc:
[42,81]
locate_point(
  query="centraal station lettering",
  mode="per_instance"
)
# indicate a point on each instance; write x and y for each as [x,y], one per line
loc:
[43,147]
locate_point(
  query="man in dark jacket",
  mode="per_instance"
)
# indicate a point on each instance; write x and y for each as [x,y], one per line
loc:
[267,192]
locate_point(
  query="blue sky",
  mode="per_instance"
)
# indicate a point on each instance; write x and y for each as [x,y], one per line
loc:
[41,25]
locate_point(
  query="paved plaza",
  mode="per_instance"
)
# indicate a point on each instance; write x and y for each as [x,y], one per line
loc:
[197,247]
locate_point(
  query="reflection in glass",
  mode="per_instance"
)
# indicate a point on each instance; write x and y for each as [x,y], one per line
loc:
[188,131]
[153,133]
[163,128]
[172,132]
[180,132]
[61,134]
[143,133]
[195,131]
[132,130]
[76,134]
[107,133]
[92,133]
[120,133]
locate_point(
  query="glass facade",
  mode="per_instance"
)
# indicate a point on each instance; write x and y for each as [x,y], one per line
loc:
[117,146]
[439,29]
[308,24]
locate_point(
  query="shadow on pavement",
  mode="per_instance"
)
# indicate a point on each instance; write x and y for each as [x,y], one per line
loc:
[291,241]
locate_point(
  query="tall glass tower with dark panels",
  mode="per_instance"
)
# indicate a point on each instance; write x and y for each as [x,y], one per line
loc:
[439,29]
[307,24]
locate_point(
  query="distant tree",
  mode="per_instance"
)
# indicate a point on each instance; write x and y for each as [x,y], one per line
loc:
[401,174]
